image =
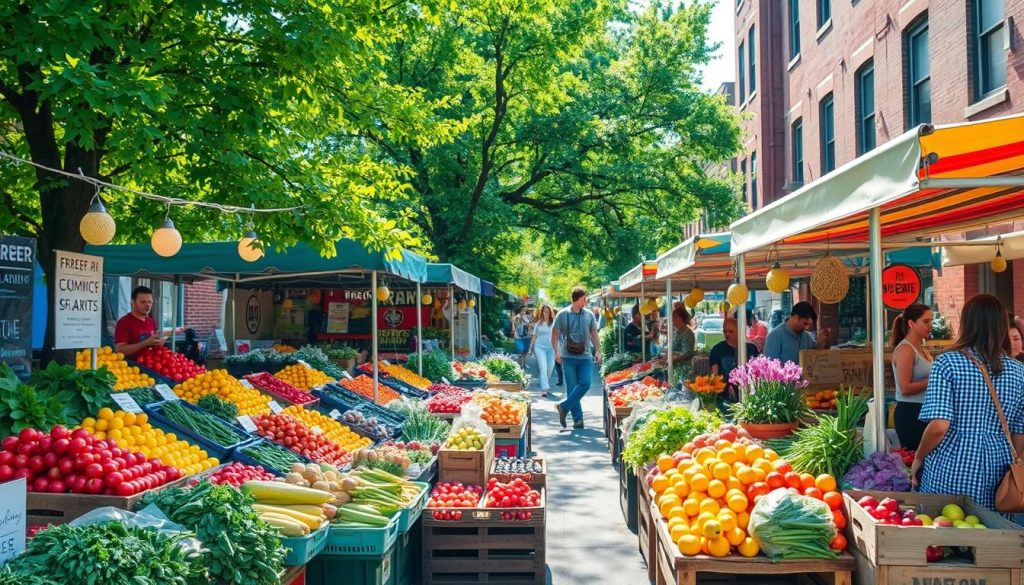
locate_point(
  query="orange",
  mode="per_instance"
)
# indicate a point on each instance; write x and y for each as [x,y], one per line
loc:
[710,464]
[727,519]
[691,507]
[718,547]
[699,483]
[704,546]
[738,503]
[716,488]
[681,489]
[741,451]
[753,453]
[770,454]
[712,529]
[825,482]
[722,444]
[690,471]
[736,536]
[734,484]
[748,548]
[659,483]
[677,513]
[664,462]
[728,455]
[722,471]
[689,545]
[742,519]
[806,480]
[710,506]
[678,531]
[746,475]
[703,454]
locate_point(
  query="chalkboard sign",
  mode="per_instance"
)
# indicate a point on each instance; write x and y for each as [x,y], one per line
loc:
[17,271]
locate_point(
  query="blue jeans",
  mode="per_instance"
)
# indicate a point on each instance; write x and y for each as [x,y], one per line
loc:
[578,372]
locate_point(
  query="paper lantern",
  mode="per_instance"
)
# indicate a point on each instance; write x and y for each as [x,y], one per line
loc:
[166,240]
[250,248]
[660,301]
[644,309]
[471,303]
[830,282]
[998,264]
[777,279]
[697,293]
[383,294]
[461,306]
[427,299]
[737,294]
[287,304]
[97,227]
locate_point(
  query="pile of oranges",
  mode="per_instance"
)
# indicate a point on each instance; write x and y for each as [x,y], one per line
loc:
[303,377]
[707,489]
[363,386]
[134,432]
[127,376]
[338,433]
[405,375]
[223,385]
[500,411]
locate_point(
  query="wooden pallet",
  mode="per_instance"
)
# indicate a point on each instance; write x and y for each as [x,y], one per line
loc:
[895,555]
[676,569]
[483,548]
[646,534]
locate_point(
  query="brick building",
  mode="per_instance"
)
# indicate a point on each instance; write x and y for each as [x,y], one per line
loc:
[820,82]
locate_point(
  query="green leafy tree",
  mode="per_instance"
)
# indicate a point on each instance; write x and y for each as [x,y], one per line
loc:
[238,103]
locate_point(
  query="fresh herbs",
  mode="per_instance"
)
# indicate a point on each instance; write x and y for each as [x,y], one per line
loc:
[83,392]
[505,368]
[436,365]
[341,352]
[422,426]
[243,548]
[109,553]
[832,445]
[619,361]
[664,432]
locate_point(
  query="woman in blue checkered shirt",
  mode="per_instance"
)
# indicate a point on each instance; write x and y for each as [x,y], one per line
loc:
[963,449]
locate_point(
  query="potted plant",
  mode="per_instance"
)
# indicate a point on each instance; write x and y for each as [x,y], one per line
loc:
[344,356]
[772,403]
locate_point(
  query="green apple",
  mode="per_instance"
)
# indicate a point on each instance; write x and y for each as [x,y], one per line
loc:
[972,519]
[961,524]
[953,512]
[925,519]
[982,526]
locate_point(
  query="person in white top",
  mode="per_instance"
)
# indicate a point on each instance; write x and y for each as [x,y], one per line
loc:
[911,364]
[540,344]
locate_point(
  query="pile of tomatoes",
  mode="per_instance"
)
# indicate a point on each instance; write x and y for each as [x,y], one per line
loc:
[448,402]
[514,494]
[235,474]
[169,364]
[280,388]
[64,461]
[453,495]
[287,431]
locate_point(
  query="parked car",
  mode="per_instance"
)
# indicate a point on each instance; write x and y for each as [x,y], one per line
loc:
[709,332]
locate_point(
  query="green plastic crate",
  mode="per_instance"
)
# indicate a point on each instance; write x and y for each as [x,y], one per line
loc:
[362,570]
[408,516]
[362,541]
[409,555]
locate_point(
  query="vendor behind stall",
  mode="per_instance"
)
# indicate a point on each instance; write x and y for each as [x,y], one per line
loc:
[785,341]
[634,335]
[137,330]
[723,359]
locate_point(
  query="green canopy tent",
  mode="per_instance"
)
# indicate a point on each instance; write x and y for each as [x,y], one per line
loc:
[453,276]
[299,264]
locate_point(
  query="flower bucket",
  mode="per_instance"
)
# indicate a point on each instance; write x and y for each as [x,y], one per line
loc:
[770,430]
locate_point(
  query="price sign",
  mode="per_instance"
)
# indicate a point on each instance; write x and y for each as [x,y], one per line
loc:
[347,375]
[247,424]
[13,502]
[316,430]
[166,393]
[385,362]
[245,383]
[126,402]
[445,380]
[335,414]
[303,363]
[274,406]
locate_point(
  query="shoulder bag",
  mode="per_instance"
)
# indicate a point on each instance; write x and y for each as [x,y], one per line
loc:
[571,345]
[1010,491]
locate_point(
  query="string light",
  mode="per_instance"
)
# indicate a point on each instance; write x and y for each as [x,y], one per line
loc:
[97,227]
[427,299]
[250,248]
[166,241]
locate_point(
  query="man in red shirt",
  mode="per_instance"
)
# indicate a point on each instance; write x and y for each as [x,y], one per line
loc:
[136,331]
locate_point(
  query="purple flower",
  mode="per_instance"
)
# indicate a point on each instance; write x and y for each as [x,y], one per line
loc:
[764,370]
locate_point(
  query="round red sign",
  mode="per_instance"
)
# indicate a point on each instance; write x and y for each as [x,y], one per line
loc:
[901,286]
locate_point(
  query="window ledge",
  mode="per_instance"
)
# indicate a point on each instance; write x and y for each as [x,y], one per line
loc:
[823,30]
[793,62]
[997,97]
[750,99]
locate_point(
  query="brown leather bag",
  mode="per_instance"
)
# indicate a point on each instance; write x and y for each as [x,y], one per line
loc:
[1010,491]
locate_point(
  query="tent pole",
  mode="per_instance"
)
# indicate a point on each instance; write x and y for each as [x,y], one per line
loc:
[480,325]
[451,319]
[741,312]
[877,326]
[668,304]
[373,335]
[174,315]
[419,328]
[643,325]
[234,329]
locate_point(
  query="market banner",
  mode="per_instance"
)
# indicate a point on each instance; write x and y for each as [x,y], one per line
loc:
[78,296]
[901,286]
[17,271]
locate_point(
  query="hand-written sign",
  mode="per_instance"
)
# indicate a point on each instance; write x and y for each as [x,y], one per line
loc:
[78,297]
[12,518]
[901,286]
[17,274]
[831,368]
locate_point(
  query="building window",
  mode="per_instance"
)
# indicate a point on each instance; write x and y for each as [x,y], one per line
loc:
[743,177]
[752,60]
[866,107]
[743,74]
[989,55]
[797,144]
[794,29]
[827,126]
[824,12]
[753,180]
[919,78]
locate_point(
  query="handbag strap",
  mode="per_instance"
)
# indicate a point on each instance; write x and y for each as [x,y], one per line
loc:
[999,405]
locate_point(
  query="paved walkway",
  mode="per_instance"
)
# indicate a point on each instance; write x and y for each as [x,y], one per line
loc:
[587,538]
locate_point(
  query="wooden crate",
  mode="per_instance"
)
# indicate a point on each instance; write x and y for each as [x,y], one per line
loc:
[536,480]
[506,386]
[622,412]
[628,496]
[646,534]
[508,431]
[897,553]
[46,508]
[676,569]
[469,467]
[483,548]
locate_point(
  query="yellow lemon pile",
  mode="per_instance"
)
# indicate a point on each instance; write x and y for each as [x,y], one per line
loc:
[338,433]
[303,377]
[127,376]
[223,385]
[133,431]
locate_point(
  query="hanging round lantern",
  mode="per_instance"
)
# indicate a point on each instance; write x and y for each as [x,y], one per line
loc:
[461,306]
[697,293]
[287,303]
[998,264]
[644,309]
[660,301]
[315,296]
[166,241]
[690,302]
[471,303]
[737,294]
[830,282]
[250,248]
[777,279]
[97,227]
[427,299]
[383,294]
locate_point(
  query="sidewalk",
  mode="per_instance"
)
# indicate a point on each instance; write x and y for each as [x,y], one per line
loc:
[587,539]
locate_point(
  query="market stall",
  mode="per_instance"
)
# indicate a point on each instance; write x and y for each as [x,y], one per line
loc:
[463,322]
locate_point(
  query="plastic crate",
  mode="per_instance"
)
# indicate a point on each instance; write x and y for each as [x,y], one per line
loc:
[156,416]
[300,549]
[243,458]
[408,556]
[403,388]
[408,516]
[353,570]
[160,379]
[363,541]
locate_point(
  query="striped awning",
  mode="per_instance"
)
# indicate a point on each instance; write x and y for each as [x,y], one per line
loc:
[927,182]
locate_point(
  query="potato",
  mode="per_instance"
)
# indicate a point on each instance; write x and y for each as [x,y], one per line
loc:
[293,478]
[298,467]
